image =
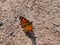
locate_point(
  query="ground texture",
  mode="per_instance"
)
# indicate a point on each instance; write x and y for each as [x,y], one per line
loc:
[45,15]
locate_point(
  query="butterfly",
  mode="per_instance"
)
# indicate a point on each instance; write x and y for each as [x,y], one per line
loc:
[26,24]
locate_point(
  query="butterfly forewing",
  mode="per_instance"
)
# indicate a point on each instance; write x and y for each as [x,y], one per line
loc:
[24,21]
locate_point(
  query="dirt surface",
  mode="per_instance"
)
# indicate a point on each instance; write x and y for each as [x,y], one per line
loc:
[45,15]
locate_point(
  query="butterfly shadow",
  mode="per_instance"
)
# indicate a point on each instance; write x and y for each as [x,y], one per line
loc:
[31,35]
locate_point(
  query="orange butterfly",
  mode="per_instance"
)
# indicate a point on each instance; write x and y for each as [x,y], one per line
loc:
[26,24]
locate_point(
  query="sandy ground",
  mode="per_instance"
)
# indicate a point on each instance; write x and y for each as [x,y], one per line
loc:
[45,15]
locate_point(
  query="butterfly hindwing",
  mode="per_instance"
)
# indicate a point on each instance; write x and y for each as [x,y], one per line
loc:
[28,27]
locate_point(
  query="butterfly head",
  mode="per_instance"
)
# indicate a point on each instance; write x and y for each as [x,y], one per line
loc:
[21,17]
